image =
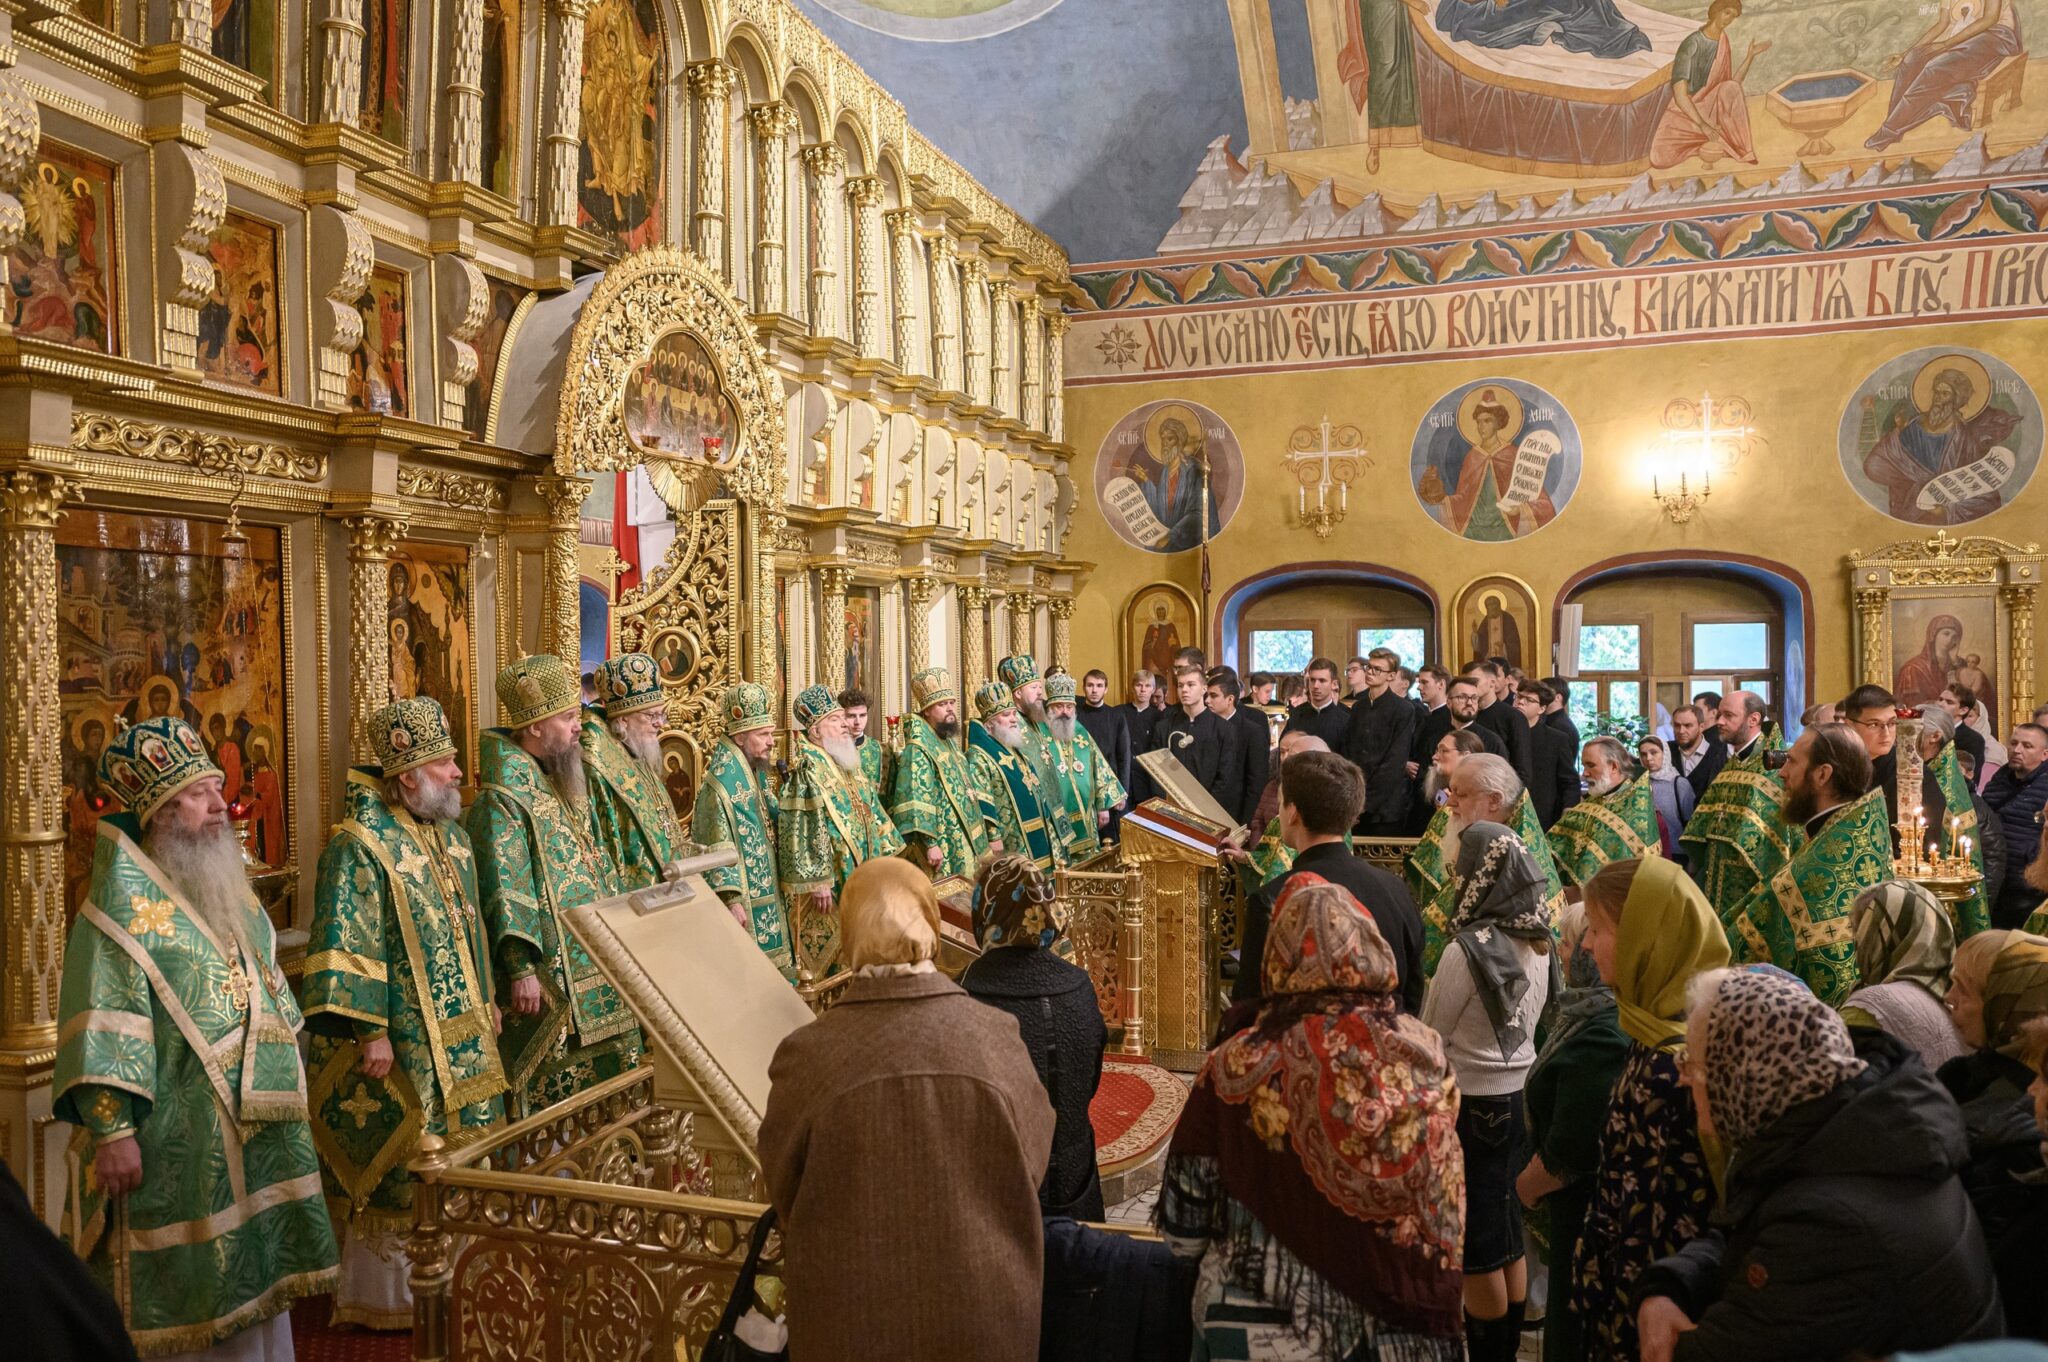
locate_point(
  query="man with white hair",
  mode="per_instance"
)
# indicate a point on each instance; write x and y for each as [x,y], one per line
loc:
[1020,673]
[1088,788]
[934,800]
[398,976]
[628,788]
[196,1200]
[827,822]
[540,851]
[1484,788]
[1008,785]
[736,808]
[1616,821]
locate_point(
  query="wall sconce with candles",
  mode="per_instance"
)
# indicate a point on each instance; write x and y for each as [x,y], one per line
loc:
[1324,457]
[1697,437]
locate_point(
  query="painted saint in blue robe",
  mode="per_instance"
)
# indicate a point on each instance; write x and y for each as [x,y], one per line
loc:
[1594,27]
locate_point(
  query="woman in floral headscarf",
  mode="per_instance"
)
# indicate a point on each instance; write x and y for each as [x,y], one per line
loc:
[1017,920]
[1904,949]
[1844,1231]
[1316,1172]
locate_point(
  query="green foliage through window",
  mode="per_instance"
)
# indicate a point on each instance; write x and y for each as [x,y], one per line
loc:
[1610,647]
[1282,650]
[1407,642]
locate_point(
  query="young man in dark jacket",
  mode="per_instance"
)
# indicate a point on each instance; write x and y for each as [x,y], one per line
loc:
[1254,743]
[1200,741]
[2018,792]
[1497,714]
[1112,733]
[1556,761]
[1379,742]
[1322,714]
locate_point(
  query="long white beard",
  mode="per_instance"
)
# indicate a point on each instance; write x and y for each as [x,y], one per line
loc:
[644,749]
[565,772]
[842,751]
[1602,788]
[1063,727]
[434,801]
[207,869]
[1010,735]
[1454,832]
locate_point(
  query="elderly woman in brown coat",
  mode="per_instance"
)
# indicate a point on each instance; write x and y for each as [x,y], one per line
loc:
[905,1138]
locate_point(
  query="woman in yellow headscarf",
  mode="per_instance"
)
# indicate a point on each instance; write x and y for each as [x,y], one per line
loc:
[1650,931]
[906,1123]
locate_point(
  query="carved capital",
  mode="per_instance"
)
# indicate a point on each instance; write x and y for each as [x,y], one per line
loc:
[564,498]
[823,161]
[1057,324]
[710,80]
[902,221]
[772,122]
[975,597]
[864,191]
[373,538]
[922,591]
[834,579]
[944,250]
[31,499]
[999,291]
[974,271]
[1062,607]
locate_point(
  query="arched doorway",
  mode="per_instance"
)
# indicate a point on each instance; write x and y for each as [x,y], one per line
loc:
[1278,620]
[1657,628]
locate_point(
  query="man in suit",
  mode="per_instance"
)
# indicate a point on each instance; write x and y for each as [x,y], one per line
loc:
[1198,740]
[1382,735]
[1323,714]
[1696,748]
[1556,787]
[1140,716]
[1497,712]
[1321,796]
[1112,733]
[1254,743]
[1559,715]
[1432,686]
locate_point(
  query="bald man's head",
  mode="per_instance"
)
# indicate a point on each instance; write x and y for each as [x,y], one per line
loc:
[1296,742]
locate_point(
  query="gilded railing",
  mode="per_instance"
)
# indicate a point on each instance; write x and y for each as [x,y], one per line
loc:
[1105,921]
[574,1234]
[1388,853]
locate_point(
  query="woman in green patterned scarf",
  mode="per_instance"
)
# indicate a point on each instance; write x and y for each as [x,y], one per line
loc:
[1999,983]
[1905,946]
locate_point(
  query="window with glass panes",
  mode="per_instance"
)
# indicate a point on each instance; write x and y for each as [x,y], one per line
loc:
[1730,652]
[1282,651]
[1407,642]
[1611,676]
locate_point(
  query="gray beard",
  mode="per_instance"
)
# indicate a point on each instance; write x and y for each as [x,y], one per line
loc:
[1032,710]
[207,870]
[1010,735]
[434,802]
[645,750]
[1454,832]
[842,751]
[565,772]
[1605,787]
[1432,786]
[1063,728]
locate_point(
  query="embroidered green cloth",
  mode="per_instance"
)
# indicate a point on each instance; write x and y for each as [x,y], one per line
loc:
[190,1043]
[1087,787]
[878,764]
[1431,880]
[1618,826]
[934,802]
[1011,799]
[397,948]
[1734,840]
[634,814]
[828,821]
[1799,919]
[1972,915]
[535,858]
[736,808]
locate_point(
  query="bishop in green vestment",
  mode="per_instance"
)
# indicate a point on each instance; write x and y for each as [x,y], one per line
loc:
[1616,821]
[1798,919]
[539,852]
[193,1188]
[933,798]
[828,821]
[1008,783]
[736,808]
[628,792]
[1088,787]
[1483,789]
[1020,673]
[397,995]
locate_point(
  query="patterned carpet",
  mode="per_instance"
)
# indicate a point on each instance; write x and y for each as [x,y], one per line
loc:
[314,1340]
[1133,1112]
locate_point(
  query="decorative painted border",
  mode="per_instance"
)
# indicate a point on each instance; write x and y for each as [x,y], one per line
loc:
[965,28]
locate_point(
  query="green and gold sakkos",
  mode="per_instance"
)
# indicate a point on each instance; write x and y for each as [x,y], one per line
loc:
[1620,825]
[635,816]
[877,765]
[1012,799]
[1435,887]
[1799,919]
[736,808]
[193,1047]
[1972,915]
[536,858]
[1735,840]
[1087,786]
[398,949]
[934,800]
[828,822]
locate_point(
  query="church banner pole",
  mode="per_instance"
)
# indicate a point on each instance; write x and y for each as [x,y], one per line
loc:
[1207,646]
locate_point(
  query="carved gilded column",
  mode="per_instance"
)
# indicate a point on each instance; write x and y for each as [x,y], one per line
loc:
[341,60]
[21,130]
[832,582]
[974,324]
[1023,622]
[864,201]
[190,200]
[910,356]
[1030,383]
[1056,376]
[772,125]
[2019,605]
[342,258]
[1002,393]
[824,164]
[710,83]
[889,697]
[465,301]
[31,738]
[945,291]
[973,640]
[921,592]
[565,136]
[1062,608]
[371,539]
[465,92]
[1871,605]
[561,630]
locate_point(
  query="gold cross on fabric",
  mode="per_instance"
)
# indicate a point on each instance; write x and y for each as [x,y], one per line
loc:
[236,989]
[411,863]
[361,1106]
[150,916]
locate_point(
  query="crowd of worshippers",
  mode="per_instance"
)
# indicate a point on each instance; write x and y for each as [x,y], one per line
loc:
[1742,1092]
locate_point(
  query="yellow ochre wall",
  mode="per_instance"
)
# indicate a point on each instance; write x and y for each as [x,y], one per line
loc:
[1787,501]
